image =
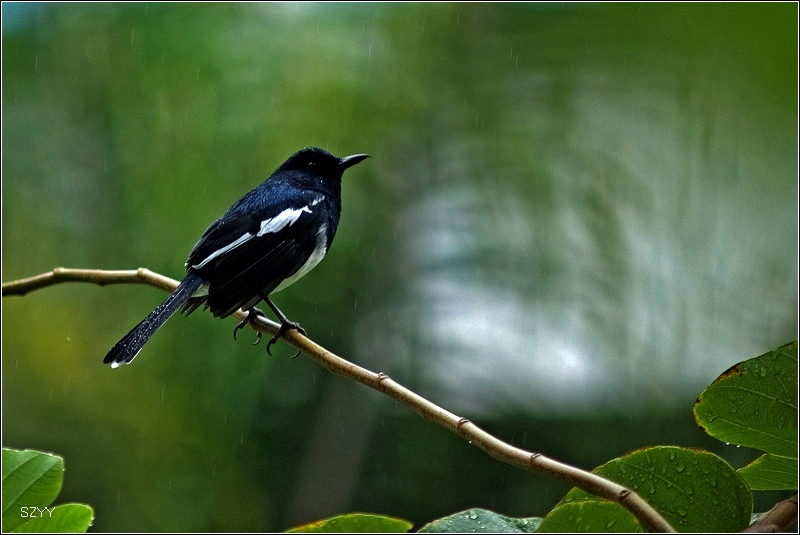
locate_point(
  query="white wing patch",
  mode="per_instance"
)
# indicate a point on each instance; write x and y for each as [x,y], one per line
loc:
[284,219]
[271,225]
[223,250]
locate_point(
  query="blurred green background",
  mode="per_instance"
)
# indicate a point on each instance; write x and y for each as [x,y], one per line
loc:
[574,218]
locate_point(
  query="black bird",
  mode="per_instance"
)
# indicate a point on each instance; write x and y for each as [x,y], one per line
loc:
[267,240]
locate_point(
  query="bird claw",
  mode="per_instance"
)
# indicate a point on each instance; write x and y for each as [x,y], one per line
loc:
[240,326]
[251,314]
[285,326]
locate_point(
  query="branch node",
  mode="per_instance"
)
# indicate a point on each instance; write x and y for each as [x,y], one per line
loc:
[381,377]
[462,421]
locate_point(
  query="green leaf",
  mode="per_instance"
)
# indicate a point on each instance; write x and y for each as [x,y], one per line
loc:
[356,523]
[67,518]
[770,472]
[693,490]
[754,403]
[30,479]
[591,516]
[481,521]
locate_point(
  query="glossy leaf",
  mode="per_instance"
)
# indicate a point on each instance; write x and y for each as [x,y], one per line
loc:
[754,403]
[30,479]
[67,518]
[481,521]
[590,516]
[770,472]
[693,490]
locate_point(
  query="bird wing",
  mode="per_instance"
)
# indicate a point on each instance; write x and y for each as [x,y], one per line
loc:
[245,255]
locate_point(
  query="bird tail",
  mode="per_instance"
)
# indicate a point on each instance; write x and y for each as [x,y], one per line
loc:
[126,349]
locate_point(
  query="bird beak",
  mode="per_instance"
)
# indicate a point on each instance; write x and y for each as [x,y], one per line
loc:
[350,161]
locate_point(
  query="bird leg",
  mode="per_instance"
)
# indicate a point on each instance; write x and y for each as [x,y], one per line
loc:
[251,314]
[285,326]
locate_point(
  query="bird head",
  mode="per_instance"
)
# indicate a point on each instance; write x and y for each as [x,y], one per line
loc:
[321,163]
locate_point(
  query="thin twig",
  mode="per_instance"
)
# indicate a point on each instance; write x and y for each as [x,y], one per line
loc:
[95,276]
[502,451]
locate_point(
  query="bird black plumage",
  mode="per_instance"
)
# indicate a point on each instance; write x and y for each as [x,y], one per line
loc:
[267,240]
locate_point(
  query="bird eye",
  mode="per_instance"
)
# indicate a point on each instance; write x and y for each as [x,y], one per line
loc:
[311,166]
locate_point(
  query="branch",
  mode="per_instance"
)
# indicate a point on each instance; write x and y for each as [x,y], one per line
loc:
[95,276]
[502,451]
[779,519]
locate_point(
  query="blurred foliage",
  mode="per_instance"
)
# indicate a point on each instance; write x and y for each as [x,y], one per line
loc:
[574,217]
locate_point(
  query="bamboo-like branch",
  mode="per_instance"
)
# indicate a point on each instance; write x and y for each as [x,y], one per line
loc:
[502,451]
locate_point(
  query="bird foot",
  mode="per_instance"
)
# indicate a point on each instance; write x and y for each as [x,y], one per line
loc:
[285,326]
[251,314]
